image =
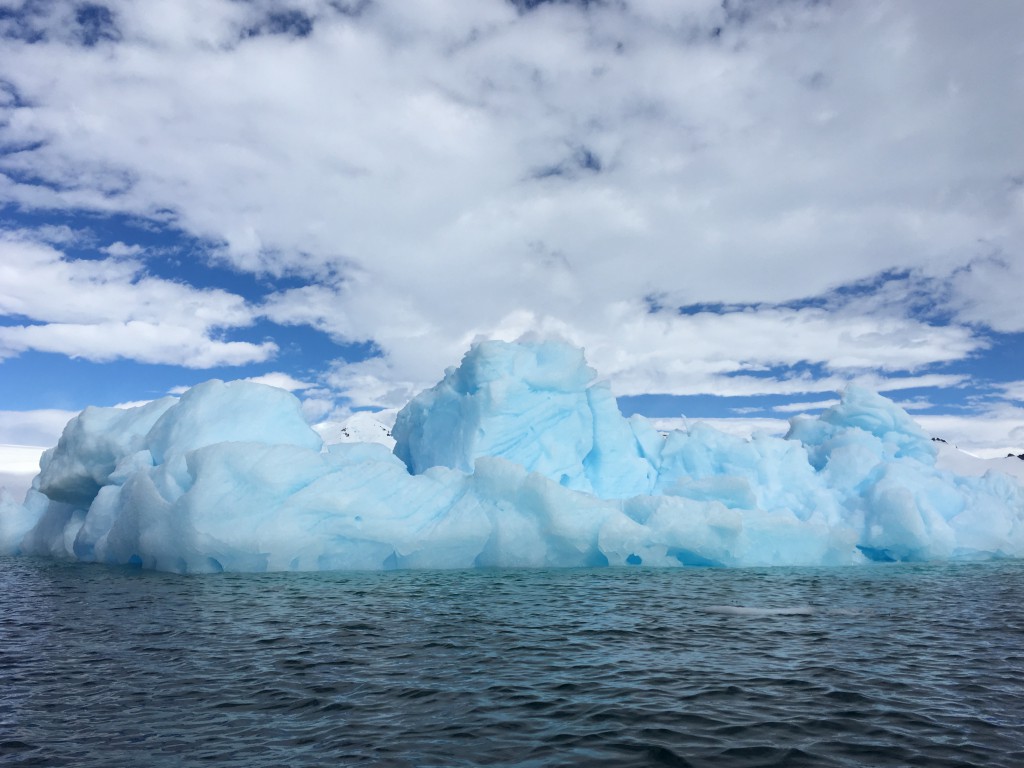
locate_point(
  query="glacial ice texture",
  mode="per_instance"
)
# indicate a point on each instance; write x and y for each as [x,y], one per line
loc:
[518,457]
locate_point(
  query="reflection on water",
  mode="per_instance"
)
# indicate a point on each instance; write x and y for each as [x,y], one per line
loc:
[887,665]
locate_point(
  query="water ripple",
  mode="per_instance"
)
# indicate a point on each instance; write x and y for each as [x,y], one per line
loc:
[900,666]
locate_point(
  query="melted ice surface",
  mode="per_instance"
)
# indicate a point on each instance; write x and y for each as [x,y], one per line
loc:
[518,457]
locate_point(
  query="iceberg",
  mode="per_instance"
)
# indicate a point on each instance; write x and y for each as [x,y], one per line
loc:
[519,457]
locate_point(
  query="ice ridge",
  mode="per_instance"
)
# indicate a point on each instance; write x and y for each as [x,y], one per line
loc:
[518,457]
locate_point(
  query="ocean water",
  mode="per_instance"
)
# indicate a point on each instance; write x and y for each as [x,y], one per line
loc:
[884,665]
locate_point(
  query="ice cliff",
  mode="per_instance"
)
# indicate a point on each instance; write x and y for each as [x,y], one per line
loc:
[518,457]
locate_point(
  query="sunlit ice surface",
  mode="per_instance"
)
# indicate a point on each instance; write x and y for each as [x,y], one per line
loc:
[519,457]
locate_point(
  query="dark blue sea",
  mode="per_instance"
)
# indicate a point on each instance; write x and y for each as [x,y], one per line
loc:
[887,665]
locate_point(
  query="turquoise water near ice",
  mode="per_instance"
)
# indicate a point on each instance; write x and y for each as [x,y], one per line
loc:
[880,665]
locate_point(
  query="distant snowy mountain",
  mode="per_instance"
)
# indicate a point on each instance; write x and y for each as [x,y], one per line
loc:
[360,427]
[952,459]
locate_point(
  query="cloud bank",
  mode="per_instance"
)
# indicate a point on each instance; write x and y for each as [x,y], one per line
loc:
[729,198]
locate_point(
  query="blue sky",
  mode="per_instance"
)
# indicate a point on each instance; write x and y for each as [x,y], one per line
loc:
[737,208]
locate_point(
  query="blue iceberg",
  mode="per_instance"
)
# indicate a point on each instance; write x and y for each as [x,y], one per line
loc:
[518,457]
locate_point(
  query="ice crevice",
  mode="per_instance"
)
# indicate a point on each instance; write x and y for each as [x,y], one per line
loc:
[519,457]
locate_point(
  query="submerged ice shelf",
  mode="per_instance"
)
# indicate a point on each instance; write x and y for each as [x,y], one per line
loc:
[518,457]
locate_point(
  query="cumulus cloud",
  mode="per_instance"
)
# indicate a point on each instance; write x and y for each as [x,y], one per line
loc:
[1013,390]
[122,250]
[988,292]
[105,309]
[707,352]
[40,427]
[436,171]
[281,380]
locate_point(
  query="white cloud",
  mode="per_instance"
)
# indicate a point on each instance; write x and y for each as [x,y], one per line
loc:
[442,170]
[915,404]
[122,250]
[374,383]
[1013,390]
[20,459]
[708,352]
[107,309]
[315,409]
[281,381]
[33,428]
[804,407]
[988,292]
[18,465]
[146,342]
[61,235]
[132,404]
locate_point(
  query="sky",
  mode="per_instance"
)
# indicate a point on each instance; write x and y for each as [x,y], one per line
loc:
[737,208]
